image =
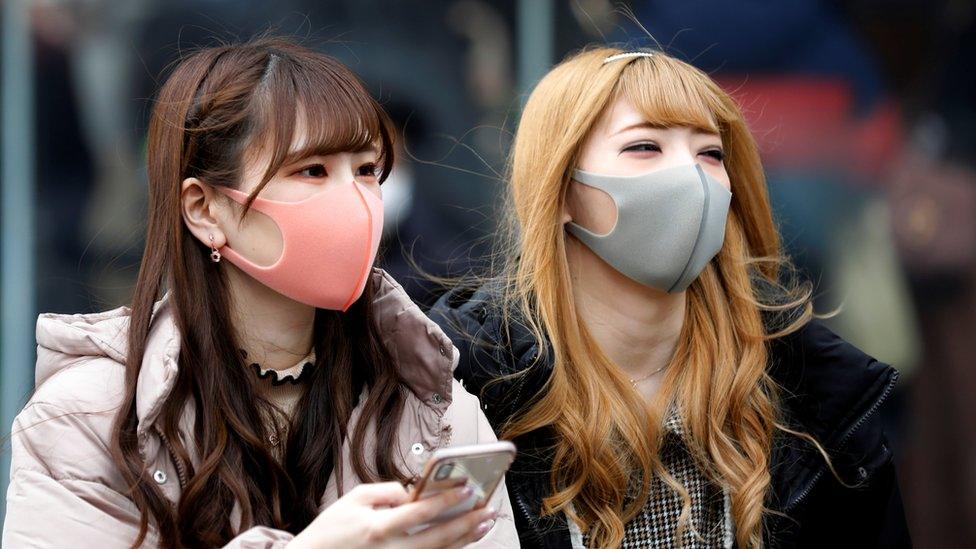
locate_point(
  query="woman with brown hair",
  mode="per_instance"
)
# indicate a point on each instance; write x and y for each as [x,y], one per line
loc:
[641,343]
[266,377]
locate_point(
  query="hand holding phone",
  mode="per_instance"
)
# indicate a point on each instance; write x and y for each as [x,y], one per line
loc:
[480,467]
[381,515]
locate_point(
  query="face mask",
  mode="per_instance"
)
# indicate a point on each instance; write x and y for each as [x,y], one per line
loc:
[670,224]
[329,242]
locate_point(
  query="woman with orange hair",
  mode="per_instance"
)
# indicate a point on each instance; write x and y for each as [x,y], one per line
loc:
[643,344]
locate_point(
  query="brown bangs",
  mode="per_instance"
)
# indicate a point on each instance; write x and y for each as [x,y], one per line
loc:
[315,93]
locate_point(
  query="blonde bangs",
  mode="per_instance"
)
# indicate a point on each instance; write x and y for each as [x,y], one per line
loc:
[669,94]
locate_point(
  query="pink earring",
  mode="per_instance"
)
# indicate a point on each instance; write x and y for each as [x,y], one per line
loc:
[214,254]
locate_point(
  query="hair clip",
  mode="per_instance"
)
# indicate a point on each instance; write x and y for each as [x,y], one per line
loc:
[628,54]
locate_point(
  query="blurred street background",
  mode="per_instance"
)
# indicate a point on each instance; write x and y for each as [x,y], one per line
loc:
[864,110]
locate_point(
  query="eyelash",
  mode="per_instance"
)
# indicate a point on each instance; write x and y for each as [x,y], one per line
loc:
[717,154]
[368,170]
[372,170]
[637,147]
[313,166]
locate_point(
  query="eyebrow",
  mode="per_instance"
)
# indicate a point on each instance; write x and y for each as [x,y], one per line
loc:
[649,125]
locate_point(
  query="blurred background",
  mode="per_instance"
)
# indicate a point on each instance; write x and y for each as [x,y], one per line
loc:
[864,110]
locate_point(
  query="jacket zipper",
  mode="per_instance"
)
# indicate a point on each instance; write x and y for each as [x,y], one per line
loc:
[528,516]
[843,441]
[180,466]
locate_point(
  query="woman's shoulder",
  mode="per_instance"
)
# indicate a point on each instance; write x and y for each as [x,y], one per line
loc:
[472,316]
[64,430]
[813,359]
[81,360]
[499,357]
[464,310]
[827,385]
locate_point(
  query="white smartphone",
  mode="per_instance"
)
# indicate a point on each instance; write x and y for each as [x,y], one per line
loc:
[480,466]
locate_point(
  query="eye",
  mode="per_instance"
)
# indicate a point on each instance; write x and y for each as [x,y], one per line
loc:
[369,169]
[717,154]
[314,170]
[642,147]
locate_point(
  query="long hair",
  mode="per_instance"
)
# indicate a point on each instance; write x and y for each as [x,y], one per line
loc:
[605,434]
[218,105]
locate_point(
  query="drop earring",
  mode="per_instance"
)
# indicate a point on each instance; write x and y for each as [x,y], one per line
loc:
[214,254]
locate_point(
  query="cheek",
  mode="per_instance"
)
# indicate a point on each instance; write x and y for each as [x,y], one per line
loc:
[598,156]
[720,175]
[258,238]
[591,208]
[375,188]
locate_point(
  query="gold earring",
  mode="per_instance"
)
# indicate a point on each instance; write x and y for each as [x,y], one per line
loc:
[214,254]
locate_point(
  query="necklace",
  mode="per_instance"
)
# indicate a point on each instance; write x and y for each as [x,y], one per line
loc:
[634,382]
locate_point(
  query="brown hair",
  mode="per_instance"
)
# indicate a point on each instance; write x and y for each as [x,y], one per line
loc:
[217,105]
[605,434]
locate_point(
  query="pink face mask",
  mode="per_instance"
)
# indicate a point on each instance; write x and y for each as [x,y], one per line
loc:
[329,242]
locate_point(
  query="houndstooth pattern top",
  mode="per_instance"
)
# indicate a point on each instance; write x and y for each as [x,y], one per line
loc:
[710,519]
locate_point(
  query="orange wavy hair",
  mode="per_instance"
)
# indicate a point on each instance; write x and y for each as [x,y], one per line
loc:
[606,434]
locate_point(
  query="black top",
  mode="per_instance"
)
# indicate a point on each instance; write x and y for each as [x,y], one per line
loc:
[831,390]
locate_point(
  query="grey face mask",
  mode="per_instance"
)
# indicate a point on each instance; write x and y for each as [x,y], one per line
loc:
[670,224]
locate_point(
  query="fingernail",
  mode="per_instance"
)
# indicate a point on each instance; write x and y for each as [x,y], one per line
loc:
[467,491]
[483,528]
[492,514]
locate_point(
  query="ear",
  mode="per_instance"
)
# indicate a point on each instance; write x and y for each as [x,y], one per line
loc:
[201,212]
[569,204]
[565,217]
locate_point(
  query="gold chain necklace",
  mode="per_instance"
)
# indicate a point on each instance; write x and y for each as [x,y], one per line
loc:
[634,382]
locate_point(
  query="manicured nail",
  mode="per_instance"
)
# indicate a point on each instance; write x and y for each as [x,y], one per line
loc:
[467,491]
[483,528]
[492,514]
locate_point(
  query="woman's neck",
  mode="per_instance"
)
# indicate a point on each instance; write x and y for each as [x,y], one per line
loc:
[274,330]
[635,325]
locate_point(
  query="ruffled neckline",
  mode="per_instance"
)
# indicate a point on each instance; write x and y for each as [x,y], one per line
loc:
[291,375]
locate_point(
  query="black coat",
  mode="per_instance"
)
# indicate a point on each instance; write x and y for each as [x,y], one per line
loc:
[831,390]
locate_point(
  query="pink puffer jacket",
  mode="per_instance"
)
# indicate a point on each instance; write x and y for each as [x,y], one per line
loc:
[65,490]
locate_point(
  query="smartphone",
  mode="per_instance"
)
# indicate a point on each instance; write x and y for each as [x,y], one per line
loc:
[480,466]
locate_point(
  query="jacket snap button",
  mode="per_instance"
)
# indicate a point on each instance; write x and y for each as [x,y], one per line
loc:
[436,397]
[159,476]
[862,473]
[443,350]
[417,448]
